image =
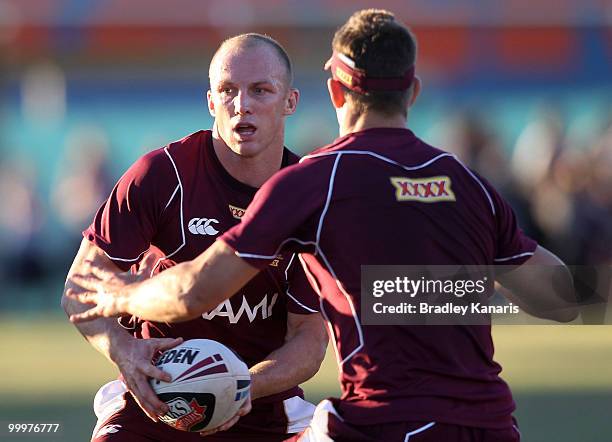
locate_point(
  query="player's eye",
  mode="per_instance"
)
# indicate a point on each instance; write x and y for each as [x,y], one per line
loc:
[259,90]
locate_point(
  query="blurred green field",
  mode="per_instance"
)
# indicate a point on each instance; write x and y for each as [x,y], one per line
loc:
[561,377]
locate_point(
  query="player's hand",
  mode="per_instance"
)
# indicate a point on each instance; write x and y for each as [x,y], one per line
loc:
[148,263]
[106,290]
[134,360]
[244,410]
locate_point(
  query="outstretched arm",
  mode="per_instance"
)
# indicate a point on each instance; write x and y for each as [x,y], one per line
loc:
[180,293]
[542,286]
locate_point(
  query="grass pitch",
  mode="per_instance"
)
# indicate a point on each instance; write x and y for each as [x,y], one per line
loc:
[560,375]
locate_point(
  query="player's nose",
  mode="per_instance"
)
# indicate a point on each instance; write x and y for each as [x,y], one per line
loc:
[242,104]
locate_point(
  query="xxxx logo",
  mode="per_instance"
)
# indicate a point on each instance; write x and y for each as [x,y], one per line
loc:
[425,190]
[276,261]
[237,212]
[344,76]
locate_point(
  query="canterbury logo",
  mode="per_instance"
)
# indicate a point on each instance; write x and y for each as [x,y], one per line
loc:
[202,226]
[237,212]
[425,190]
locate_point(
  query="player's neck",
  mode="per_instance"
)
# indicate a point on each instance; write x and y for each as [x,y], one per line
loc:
[350,122]
[253,171]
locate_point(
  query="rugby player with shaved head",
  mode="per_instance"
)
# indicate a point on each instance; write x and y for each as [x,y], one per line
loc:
[376,195]
[170,206]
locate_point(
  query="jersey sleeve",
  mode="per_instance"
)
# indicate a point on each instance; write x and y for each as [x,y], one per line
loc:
[301,298]
[125,224]
[284,214]
[513,246]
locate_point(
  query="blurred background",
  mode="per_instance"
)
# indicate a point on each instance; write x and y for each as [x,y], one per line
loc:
[521,90]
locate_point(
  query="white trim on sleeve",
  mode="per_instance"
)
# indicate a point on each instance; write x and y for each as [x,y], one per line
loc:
[419,430]
[126,259]
[180,189]
[508,258]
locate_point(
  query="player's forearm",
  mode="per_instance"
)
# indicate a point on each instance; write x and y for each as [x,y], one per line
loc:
[295,362]
[103,333]
[169,297]
[189,289]
[543,287]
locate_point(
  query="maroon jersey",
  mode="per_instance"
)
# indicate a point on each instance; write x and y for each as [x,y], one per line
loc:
[382,196]
[179,199]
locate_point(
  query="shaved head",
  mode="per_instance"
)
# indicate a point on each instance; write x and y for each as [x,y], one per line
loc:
[249,41]
[250,95]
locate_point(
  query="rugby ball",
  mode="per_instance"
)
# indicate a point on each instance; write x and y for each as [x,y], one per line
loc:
[209,384]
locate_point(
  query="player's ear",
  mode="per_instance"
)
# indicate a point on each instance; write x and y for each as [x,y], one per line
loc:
[292,102]
[211,105]
[416,89]
[336,93]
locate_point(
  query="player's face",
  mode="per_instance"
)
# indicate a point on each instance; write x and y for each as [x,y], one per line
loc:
[249,99]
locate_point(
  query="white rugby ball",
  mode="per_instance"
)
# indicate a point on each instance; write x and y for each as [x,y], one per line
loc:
[209,384]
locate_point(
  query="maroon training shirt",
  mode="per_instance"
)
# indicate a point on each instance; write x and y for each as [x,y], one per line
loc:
[382,196]
[180,199]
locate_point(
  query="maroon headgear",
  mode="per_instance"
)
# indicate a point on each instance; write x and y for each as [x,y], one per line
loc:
[343,70]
